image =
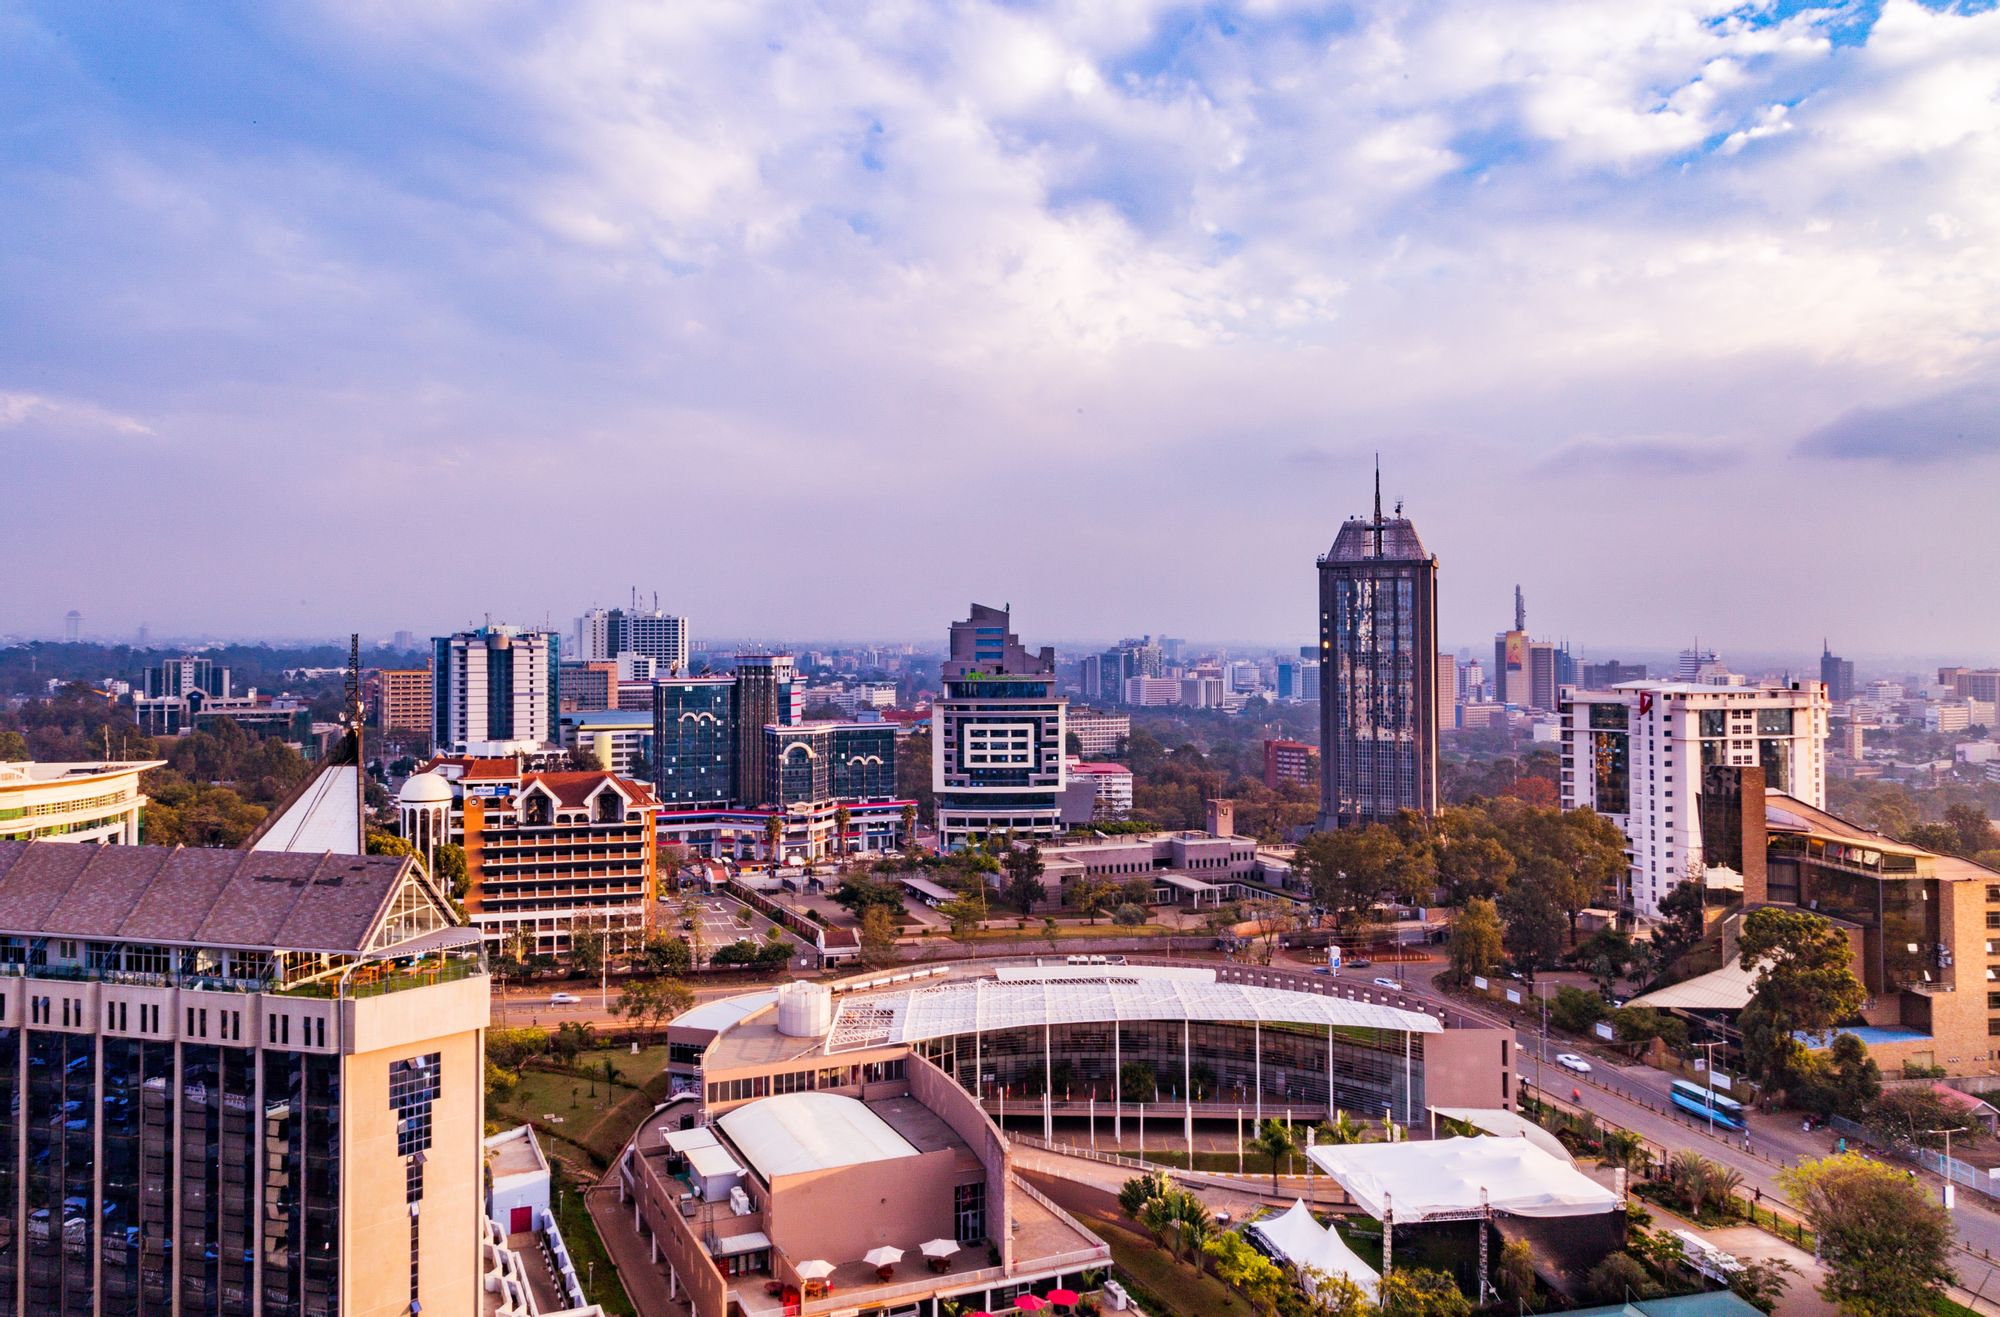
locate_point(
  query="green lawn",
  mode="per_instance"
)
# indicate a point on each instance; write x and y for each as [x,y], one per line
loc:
[585,1248]
[591,1116]
[1174,1288]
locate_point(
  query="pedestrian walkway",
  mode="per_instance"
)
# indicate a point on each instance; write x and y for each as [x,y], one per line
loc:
[645,1280]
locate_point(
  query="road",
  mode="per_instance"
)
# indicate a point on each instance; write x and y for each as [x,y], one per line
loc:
[1635,1097]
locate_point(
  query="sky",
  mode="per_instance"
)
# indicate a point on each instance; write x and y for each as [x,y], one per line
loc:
[826,319]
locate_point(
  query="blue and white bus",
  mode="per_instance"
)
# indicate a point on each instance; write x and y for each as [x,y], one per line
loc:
[1704,1105]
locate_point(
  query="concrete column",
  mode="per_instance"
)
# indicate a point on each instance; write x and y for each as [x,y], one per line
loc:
[1257,1044]
[1187,1084]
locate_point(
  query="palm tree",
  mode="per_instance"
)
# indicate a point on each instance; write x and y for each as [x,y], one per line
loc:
[1623,1149]
[840,819]
[1275,1140]
[774,836]
[1158,1218]
[1342,1129]
[1692,1174]
[909,825]
[1723,1182]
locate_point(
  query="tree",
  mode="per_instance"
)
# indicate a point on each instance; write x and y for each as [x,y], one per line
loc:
[1620,1274]
[1274,1140]
[1420,1292]
[587,950]
[1129,915]
[1092,896]
[1803,985]
[1134,1193]
[570,1038]
[1023,888]
[1683,914]
[1533,911]
[451,871]
[1886,1244]
[841,818]
[13,746]
[1575,1010]
[388,843]
[1331,1295]
[1472,860]
[774,838]
[1351,870]
[859,894]
[1917,1116]
[1243,1267]
[1972,831]
[909,818]
[1516,1272]
[667,954]
[878,936]
[583,758]
[1763,1282]
[651,1002]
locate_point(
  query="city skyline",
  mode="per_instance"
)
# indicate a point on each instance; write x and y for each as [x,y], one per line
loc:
[278,281]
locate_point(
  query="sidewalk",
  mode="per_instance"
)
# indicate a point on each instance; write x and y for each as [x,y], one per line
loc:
[645,1281]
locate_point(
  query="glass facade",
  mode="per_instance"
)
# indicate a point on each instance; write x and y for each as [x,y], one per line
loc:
[1611,767]
[138,1177]
[61,1235]
[1378,683]
[217,1170]
[301,1196]
[694,748]
[864,763]
[10,1170]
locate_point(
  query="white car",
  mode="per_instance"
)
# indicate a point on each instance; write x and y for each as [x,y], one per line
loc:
[563,999]
[1388,983]
[1571,1061]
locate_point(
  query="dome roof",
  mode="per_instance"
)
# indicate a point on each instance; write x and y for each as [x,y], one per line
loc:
[425,789]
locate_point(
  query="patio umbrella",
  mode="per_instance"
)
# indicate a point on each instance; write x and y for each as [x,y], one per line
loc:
[1063,1298]
[884,1256]
[815,1269]
[938,1248]
[1029,1303]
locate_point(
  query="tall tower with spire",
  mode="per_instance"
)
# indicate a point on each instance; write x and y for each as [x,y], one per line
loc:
[1378,713]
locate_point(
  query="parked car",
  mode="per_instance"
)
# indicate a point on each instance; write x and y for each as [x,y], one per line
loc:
[563,999]
[1571,1061]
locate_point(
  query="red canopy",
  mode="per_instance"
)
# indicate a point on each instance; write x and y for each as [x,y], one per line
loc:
[1063,1298]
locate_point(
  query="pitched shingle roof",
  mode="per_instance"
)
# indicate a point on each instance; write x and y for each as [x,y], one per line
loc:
[257,899]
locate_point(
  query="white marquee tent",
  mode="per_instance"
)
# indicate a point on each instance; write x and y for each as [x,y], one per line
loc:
[1304,1242]
[1445,1179]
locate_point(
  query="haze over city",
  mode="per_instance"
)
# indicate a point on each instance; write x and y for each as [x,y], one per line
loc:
[338,316]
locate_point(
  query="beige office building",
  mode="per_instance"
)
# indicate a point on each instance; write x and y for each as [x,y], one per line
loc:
[239,1082]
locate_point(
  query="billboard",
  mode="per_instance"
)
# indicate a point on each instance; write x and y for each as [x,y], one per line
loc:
[1517,651]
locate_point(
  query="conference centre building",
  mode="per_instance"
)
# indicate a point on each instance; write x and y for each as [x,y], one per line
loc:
[748,1202]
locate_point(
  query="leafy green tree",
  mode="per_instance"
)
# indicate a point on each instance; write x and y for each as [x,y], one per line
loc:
[1885,1243]
[667,954]
[1515,1274]
[588,950]
[1129,915]
[13,746]
[878,936]
[859,894]
[1532,910]
[1620,1274]
[1023,889]
[1683,914]
[1133,1194]
[1575,1010]
[1638,1024]
[1353,870]
[1804,984]
[1330,1295]
[1762,1282]
[1918,1116]
[1472,857]
[1420,1292]
[1477,940]
[451,871]
[387,843]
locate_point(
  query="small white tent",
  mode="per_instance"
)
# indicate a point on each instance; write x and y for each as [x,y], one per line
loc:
[1305,1243]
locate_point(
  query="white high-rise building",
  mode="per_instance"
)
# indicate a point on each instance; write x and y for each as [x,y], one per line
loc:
[1636,753]
[593,637]
[494,691]
[603,634]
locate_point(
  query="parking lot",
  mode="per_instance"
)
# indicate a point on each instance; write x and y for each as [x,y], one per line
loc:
[721,920]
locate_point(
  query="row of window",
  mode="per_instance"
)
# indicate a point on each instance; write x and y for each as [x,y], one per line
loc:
[804,1081]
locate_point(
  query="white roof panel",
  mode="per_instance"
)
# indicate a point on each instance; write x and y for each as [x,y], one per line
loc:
[1103,995]
[1507,1124]
[1445,1178]
[682,1141]
[325,818]
[797,1132]
[720,1015]
[712,1159]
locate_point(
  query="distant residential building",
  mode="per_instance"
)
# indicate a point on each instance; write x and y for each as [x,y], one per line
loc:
[494,690]
[1378,644]
[1110,788]
[1152,692]
[1853,739]
[1472,683]
[1309,680]
[1603,676]
[1447,686]
[593,636]
[1947,716]
[1704,667]
[997,760]
[1099,734]
[621,740]
[1636,754]
[400,699]
[1972,683]
[662,637]
[181,677]
[1836,674]
[1292,762]
[96,801]
[588,685]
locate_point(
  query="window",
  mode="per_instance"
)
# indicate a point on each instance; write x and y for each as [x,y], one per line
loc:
[968,1210]
[413,1087]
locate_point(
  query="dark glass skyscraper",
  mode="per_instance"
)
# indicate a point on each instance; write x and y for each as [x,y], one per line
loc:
[1378,717]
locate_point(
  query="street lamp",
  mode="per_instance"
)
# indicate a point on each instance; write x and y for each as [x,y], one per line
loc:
[1711,1046]
[1945,1167]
